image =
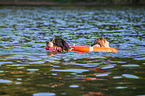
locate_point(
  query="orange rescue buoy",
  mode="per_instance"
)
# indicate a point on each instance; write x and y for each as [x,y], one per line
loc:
[84,49]
[93,49]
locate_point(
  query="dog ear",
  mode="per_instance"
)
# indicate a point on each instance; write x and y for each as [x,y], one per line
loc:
[57,42]
[63,44]
[95,42]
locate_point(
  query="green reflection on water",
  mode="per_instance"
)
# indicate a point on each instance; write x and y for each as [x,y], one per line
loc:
[26,68]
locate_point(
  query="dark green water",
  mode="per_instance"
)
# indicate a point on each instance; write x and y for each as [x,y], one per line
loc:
[26,69]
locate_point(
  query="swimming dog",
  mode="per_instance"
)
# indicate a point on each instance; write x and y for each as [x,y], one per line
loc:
[100,42]
[58,42]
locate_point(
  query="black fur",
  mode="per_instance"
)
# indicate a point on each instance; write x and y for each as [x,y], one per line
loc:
[61,43]
[47,42]
[97,41]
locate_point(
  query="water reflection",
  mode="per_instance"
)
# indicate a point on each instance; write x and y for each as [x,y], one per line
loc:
[44,94]
[27,69]
[5,81]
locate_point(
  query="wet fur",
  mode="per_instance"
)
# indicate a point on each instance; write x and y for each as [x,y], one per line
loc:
[101,42]
[59,42]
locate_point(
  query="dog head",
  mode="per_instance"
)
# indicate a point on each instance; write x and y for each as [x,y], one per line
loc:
[49,44]
[102,42]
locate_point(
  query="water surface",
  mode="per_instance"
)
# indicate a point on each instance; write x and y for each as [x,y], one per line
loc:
[27,69]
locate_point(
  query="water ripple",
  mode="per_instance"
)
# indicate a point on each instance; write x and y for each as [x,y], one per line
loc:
[26,65]
[70,70]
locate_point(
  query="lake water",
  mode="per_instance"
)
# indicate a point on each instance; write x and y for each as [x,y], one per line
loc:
[27,69]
